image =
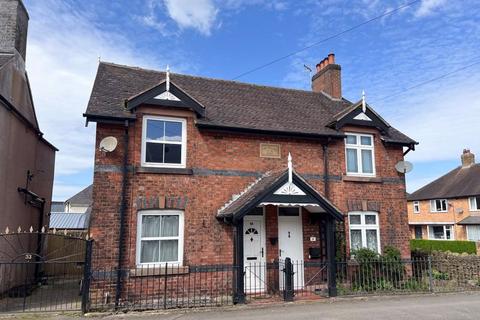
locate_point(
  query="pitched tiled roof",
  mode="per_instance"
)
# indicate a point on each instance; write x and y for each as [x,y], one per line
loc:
[227,103]
[470,220]
[84,197]
[460,182]
[260,185]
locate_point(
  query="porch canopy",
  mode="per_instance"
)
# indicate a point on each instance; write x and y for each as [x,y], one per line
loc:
[280,188]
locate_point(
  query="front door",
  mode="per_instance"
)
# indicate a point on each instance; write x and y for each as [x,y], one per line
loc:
[290,243]
[254,253]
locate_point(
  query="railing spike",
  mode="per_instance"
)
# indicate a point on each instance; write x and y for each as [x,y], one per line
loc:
[31,229]
[7,230]
[54,230]
[43,229]
[65,231]
[86,237]
[19,229]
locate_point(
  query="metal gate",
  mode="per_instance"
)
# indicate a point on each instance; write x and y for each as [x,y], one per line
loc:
[43,271]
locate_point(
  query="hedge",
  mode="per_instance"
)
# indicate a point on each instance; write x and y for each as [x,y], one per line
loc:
[443,245]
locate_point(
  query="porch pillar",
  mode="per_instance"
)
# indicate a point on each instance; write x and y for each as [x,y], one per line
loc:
[239,286]
[332,264]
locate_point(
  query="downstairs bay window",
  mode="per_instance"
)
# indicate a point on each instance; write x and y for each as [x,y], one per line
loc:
[364,231]
[160,237]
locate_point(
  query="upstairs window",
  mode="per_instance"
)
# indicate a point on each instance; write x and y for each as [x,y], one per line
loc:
[164,142]
[360,155]
[439,205]
[416,206]
[474,203]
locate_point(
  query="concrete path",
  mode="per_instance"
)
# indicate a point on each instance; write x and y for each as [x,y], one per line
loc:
[425,307]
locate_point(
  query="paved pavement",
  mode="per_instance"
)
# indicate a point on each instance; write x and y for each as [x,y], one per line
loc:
[425,307]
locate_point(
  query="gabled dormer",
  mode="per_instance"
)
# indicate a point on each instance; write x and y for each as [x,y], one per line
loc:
[166,94]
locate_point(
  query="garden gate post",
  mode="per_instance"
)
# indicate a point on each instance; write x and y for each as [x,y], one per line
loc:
[87,272]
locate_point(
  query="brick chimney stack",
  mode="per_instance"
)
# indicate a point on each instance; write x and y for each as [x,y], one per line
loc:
[13,27]
[328,78]
[468,158]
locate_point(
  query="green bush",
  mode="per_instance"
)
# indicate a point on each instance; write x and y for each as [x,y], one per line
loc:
[428,246]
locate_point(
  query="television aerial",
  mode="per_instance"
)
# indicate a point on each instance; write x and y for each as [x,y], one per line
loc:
[108,144]
[404,167]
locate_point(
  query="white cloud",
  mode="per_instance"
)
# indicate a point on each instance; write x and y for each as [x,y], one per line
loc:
[428,7]
[197,14]
[62,58]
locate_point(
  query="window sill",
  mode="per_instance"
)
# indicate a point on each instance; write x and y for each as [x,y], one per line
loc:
[157,170]
[361,179]
[158,271]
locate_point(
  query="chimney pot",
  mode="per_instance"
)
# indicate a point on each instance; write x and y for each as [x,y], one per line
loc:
[331,58]
[468,158]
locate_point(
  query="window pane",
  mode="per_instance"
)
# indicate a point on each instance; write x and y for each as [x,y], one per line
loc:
[355,239]
[365,141]
[444,205]
[150,226]
[155,129]
[169,251]
[437,232]
[169,226]
[149,251]
[173,131]
[154,152]
[282,211]
[473,203]
[448,232]
[367,161]
[355,219]
[372,241]
[352,160]
[173,153]
[370,219]
[352,139]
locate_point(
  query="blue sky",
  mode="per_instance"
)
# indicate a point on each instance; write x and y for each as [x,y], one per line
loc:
[223,39]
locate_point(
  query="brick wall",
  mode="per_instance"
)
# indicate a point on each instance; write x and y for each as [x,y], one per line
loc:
[224,164]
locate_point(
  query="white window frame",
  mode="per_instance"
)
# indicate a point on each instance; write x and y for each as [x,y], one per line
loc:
[416,206]
[471,200]
[183,143]
[363,227]
[359,147]
[142,213]
[452,231]
[433,205]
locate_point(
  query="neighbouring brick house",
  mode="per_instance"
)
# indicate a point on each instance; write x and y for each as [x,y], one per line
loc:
[207,178]
[449,207]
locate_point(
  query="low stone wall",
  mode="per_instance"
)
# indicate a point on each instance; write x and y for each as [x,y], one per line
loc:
[461,268]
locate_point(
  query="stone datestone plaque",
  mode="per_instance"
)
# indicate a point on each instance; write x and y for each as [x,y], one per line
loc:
[269,150]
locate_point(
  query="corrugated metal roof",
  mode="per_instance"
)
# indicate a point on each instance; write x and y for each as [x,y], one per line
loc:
[70,220]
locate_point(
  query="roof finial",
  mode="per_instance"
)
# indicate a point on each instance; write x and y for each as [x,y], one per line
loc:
[168,78]
[290,168]
[364,105]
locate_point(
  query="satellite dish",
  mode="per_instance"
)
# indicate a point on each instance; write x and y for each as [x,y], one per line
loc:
[108,144]
[404,166]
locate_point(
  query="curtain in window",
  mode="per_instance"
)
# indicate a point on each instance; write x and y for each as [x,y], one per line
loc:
[473,233]
[352,160]
[169,250]
[151,226]
[356,239]
[169,226]
[149,251]
[372,242]
[367,161]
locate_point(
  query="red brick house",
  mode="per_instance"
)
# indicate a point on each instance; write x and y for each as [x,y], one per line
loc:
[202,175]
